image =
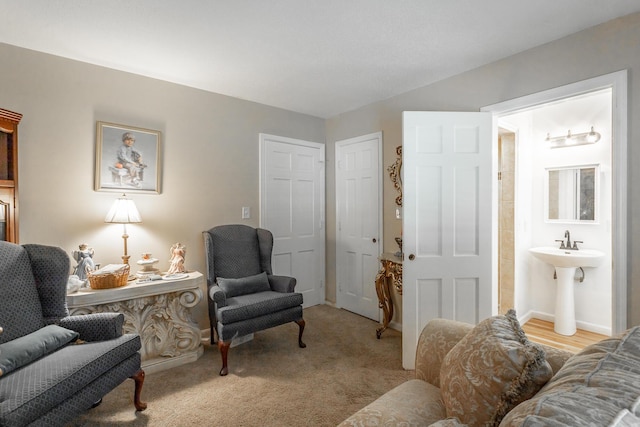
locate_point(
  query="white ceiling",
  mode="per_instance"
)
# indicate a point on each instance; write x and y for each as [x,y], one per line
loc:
[319,57]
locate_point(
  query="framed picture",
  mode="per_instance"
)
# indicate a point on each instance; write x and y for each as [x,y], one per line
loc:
[127,159]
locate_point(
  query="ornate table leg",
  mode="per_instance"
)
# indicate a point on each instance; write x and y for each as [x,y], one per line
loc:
[384,299]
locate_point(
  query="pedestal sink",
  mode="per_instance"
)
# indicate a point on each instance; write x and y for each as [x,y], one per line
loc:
[565,262]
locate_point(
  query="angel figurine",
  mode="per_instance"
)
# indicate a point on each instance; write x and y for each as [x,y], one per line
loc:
[84,258]
[177,252]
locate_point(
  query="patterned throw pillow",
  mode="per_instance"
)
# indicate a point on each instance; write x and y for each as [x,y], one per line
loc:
[24,350]
[492,369]
[244,285]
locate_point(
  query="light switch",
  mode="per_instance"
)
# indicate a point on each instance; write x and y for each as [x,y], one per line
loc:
[246,212]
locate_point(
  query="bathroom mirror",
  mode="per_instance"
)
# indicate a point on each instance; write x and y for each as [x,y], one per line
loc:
[572,194]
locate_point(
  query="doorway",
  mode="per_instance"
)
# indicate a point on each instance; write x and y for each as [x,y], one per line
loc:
[601,298]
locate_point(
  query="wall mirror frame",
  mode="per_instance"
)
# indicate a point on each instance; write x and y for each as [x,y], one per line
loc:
[395,173]
[571,194]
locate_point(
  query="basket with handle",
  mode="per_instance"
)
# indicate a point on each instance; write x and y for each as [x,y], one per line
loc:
[109,276]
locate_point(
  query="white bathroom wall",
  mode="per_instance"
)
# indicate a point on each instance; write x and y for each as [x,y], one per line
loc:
[535,285]
[521,124]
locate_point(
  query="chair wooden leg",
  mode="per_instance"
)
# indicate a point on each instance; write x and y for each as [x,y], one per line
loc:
[301,324]
[138,377]
[224,351]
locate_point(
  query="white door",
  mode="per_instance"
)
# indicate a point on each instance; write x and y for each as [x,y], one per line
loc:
[448,264]
[359,222]
[292,207]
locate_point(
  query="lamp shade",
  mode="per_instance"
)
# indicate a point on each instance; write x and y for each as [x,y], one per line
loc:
[123,211]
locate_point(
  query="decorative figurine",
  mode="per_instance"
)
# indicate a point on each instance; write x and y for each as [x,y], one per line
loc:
[84,257]
[147,266]
[178,252]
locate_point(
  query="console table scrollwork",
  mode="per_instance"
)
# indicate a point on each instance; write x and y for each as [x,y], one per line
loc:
[389,274]
[158,311]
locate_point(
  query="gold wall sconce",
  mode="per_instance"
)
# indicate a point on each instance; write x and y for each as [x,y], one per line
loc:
[571,140]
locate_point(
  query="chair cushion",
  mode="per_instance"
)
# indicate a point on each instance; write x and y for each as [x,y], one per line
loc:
[254,305]
[244,285]
[35,389]
[21,351]
[491,370]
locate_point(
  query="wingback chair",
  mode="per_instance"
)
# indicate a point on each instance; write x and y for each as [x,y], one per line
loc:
[54,366]
[244,295]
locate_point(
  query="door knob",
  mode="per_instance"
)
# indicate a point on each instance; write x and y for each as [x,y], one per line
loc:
[412,257]
[375,240]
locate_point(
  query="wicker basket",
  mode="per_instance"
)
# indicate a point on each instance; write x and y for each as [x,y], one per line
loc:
[110,276]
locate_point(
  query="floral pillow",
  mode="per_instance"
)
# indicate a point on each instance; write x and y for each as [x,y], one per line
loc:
[492,369]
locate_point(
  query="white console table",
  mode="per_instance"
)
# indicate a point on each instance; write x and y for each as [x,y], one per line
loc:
[158,311]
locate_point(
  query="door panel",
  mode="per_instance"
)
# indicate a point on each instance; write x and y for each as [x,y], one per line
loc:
[292,208]
[447,237]
[358,193]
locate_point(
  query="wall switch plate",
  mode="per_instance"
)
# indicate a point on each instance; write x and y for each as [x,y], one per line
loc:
[246,212]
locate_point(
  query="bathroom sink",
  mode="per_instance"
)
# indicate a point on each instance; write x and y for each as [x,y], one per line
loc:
[568,258]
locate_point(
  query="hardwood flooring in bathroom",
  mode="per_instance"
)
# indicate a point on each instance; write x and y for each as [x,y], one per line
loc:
[541,331]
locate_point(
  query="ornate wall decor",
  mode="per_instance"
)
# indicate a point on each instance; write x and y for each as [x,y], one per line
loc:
[395,173]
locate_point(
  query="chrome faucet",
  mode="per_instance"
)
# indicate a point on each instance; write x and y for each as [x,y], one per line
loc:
[568,245]
[568,236]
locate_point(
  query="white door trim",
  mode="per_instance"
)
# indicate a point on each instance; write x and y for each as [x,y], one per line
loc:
[617,81]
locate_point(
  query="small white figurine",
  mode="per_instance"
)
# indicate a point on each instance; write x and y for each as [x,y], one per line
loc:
[177,252]
[84,257]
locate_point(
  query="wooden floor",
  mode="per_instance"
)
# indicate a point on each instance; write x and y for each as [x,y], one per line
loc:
[541,331]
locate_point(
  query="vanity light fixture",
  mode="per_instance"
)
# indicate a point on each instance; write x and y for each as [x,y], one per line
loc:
[570,140]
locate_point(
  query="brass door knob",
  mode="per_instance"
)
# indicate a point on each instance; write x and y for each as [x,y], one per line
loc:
[412,257]
[375,240]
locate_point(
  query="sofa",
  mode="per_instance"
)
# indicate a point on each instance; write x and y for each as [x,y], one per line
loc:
[54,366]
[492,375]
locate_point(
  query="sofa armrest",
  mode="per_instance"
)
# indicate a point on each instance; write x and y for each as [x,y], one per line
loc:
[284,284]
[95,326]
[436,340]
[217,295]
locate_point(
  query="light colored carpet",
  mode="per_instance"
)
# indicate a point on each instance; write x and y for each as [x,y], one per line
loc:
[271,381]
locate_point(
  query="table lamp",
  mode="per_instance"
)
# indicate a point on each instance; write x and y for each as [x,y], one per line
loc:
[123,211]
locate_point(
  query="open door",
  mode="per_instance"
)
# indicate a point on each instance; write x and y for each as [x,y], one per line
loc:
[449,213]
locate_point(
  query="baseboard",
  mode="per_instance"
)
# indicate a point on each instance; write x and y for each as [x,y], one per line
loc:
[585,326]
[205,336]
[396,326]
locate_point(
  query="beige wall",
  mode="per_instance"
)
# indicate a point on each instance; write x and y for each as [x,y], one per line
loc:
[209,147]
[210,143]
[600,50]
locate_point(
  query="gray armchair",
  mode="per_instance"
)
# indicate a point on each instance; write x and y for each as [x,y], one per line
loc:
[54,366]
[244,295]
